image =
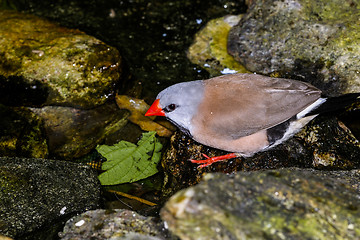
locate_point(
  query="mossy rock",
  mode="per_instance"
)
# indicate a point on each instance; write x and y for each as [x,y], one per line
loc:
[71,67]
[315,41]
[273,204]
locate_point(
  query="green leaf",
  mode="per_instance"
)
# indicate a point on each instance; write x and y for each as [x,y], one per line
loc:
[127,162]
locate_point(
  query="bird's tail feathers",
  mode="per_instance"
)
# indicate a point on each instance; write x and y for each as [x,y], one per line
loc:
[334,104]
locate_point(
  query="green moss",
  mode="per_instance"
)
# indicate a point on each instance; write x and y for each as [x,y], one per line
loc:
[38,50]
[73,52]
[277,204]
[335,11]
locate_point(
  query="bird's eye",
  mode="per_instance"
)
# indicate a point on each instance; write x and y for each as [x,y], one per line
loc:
[170,108]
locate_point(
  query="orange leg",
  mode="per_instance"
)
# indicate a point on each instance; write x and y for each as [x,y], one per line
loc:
[210,160]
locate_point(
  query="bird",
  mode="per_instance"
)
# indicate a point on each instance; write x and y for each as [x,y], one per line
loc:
[243,113]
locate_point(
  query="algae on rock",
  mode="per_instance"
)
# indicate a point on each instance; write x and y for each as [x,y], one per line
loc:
[275,204]
[76,69]
[318,41]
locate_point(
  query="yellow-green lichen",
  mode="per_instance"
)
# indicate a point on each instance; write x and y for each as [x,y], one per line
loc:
[209,49]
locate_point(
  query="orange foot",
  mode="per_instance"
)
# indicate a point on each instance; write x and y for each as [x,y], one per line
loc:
[210,160]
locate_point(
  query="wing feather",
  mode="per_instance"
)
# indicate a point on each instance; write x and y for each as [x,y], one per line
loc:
[242,104]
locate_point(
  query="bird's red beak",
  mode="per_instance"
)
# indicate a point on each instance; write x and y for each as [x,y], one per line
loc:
[155,109]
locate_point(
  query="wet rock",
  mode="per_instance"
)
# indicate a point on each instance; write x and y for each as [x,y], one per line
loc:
[37,193]
[114,224]
[350,177]
[331,143]
[316,41]
[55,131]
[73,132]
[324,144]
[272,204]
[22,133]
[55,65]
[209,49]
[152,36]
[181,173]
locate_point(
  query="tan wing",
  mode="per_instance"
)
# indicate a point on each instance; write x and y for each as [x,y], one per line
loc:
[242,104]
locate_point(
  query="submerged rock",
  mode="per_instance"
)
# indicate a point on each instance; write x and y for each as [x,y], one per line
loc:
[38,193]
[316,41]
[114,224]
[55,65]
[273,204]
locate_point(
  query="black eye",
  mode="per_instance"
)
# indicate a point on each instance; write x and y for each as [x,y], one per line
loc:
[170,108]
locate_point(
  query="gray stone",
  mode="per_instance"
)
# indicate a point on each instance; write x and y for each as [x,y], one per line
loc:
[317,41]
[272,204]
[118,224]
[37,192]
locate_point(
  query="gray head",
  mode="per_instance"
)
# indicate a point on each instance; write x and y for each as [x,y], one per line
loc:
[180,102]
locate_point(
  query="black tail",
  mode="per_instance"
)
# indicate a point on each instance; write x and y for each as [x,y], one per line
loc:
[334,104]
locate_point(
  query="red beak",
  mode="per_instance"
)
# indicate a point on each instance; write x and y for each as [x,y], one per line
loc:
[155,109]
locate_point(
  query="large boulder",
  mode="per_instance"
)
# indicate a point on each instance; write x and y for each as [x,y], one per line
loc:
[317,41]
[38,193]
[66,66]
[276,204]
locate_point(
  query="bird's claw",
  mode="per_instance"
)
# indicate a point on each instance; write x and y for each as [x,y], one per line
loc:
[210,160]
[203,163]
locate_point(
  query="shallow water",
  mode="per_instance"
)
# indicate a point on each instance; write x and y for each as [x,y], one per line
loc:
[152,36]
